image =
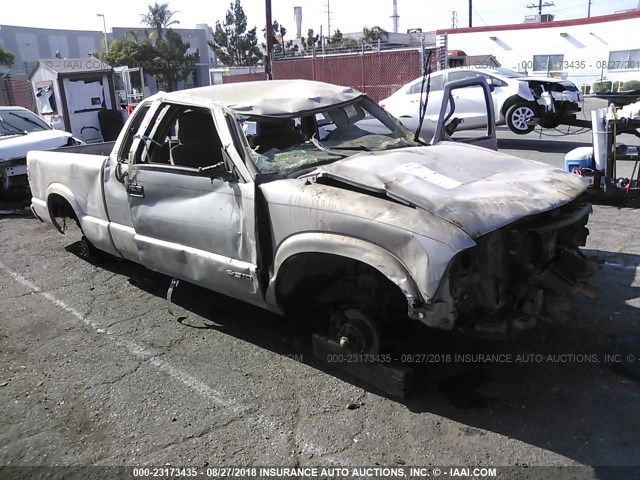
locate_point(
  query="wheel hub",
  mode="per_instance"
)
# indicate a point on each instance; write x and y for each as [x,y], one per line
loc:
[521,117]
[356,332]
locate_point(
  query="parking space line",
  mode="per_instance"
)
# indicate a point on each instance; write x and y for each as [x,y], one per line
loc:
[621,266]
[143,354]
[135,349]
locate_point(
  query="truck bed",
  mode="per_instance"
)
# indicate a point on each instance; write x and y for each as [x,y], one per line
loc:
[75,174]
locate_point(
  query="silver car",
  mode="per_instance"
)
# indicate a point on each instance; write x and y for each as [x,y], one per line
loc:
[519,101]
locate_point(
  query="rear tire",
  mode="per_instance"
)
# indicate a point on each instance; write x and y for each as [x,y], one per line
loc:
[517,117]
[89,252]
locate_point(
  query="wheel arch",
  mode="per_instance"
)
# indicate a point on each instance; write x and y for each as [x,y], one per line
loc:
[512,101]
[314,254]
[61,202]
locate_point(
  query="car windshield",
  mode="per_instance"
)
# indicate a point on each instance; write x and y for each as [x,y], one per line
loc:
[284,146]
[505,72]
[19,122]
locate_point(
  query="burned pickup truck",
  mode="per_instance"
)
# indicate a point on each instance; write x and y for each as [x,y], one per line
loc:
[308,199]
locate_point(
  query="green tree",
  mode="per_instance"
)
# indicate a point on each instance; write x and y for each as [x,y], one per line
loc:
[132,53]
[6,57]
[159,17]
[310,40]
[233,43]
[373,34]
[279,31]
[337,37]
[167,59]
[172,62]
[338,41]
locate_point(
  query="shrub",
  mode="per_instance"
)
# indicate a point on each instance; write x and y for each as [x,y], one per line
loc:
[602,87]
[630,85]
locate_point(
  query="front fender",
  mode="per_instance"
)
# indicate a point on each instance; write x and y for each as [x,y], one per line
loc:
[368,253]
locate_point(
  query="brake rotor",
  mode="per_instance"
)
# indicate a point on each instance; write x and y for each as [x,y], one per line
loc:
[357,332]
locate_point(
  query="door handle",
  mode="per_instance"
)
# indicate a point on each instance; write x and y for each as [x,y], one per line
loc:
[135,190]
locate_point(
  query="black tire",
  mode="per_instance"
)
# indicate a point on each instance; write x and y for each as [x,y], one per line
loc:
[517,117]
[90,253]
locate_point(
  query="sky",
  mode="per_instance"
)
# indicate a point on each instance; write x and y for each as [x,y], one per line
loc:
[347,15]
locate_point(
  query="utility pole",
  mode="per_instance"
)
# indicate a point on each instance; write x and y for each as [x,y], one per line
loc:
[454,19]
[269,32]
[328,19]
[104,29]
[470,13]
[395,16]
[545,4]
[589,10]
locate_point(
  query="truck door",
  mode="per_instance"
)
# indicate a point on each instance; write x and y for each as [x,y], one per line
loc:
[192,213]
[484,136]
[114,178]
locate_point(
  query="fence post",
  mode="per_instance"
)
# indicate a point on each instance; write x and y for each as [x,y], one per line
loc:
[422,66]
[313,61]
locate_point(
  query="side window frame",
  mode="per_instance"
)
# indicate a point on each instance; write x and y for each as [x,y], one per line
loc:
[164,114]
[132,129]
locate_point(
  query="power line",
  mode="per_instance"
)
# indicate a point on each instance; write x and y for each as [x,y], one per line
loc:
[481,19]
[540,6]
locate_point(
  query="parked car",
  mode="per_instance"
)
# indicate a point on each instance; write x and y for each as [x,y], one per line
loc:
[20,131]
[315,216]
[518,100]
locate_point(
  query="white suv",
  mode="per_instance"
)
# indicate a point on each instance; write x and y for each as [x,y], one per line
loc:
[517,100]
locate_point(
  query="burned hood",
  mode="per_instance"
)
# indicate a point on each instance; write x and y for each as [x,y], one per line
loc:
[475,189]
[17,146]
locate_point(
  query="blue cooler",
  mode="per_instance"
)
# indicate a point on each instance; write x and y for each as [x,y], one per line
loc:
[579,158]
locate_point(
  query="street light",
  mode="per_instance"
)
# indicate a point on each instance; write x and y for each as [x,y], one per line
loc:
[104,27]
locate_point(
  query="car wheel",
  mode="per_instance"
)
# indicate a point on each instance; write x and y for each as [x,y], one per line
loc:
[89,252]
[518,116]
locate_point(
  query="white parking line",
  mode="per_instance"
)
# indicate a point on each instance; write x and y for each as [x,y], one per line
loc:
[135,349]
[620,266]
[138,351]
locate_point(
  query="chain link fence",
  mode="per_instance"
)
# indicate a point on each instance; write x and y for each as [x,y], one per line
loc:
[378,74]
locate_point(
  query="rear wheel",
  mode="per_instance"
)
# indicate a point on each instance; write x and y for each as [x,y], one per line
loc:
[89,252]
[518,117]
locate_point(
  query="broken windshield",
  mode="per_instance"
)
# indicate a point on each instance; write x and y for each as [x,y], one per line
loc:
[285,145]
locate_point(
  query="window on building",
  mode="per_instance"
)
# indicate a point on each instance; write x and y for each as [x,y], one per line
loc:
[624,60]
[547,63]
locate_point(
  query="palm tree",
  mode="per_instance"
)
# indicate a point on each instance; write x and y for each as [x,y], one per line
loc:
[159,17]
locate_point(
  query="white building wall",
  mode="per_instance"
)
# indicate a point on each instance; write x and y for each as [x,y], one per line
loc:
[585,48]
